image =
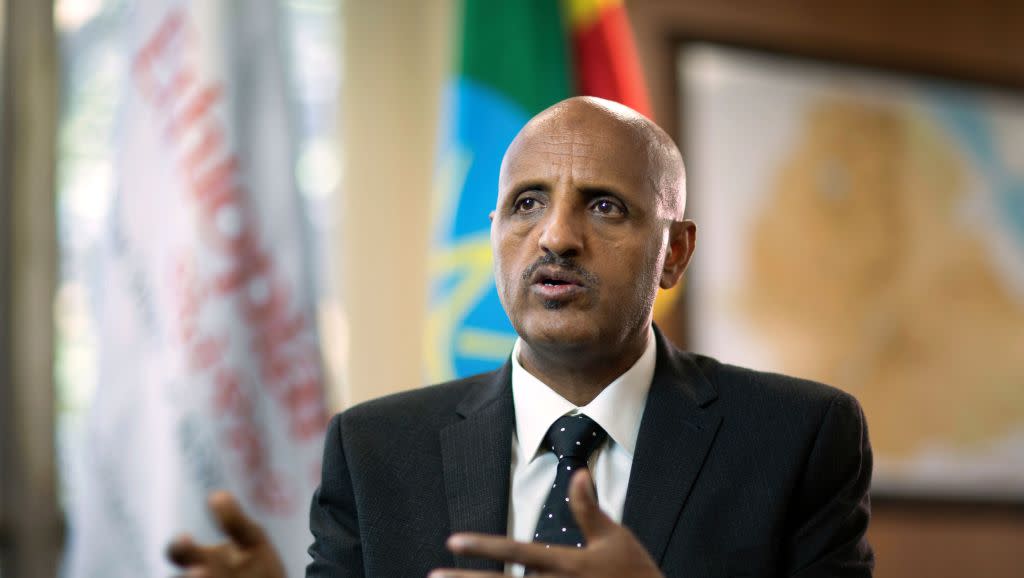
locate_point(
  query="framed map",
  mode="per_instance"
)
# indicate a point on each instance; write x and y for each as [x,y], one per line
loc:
[866,230]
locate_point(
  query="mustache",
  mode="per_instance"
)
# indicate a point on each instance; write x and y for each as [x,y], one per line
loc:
[565,263]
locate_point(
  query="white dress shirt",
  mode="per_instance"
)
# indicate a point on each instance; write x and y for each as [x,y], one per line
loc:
[618,409]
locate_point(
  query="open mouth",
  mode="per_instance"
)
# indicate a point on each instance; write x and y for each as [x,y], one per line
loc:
[556,286]
[555,282]
[556,277]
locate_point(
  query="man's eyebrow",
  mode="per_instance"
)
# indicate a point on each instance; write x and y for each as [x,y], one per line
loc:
[601,190]
[597,191]
[530,185]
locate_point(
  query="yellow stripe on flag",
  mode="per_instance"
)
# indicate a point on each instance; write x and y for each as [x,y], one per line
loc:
[583,13]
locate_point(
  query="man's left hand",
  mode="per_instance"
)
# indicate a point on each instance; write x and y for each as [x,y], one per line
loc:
[612,550]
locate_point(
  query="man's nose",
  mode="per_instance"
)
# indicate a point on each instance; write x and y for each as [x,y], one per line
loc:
[562,234]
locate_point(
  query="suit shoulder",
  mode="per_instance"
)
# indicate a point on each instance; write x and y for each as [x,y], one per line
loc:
[420,404]
[752,386]
[785,411]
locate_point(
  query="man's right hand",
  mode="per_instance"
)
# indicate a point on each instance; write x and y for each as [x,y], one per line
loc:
[248,552]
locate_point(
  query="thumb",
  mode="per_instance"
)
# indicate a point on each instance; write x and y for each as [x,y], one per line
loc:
[583,503]
[233,521]
[184,552]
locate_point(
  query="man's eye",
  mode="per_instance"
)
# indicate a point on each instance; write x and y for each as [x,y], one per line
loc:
[526,204]
[606,207]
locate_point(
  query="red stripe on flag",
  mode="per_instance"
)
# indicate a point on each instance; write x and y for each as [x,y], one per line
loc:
[607,64]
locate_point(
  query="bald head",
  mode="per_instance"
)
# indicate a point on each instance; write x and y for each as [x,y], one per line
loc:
[617,124]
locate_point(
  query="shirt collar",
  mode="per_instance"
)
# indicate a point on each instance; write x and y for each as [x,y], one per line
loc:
[618,408]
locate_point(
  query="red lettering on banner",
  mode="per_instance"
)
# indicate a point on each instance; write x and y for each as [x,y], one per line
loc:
[227,223]
[233,402]
[244,270]
[245,277]
[195,109]
[227,393]
[211,139]
[284,331]
[267,307]
[178,86]
[275,367]
[205,353]
[220,176]
[302,400]
[144,69]
[270,492]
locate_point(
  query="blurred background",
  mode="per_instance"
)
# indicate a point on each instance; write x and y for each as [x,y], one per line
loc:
[223,221]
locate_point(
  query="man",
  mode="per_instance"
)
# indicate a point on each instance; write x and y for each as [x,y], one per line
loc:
[688,467]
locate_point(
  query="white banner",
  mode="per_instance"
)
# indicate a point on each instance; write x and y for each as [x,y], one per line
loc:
[210,375]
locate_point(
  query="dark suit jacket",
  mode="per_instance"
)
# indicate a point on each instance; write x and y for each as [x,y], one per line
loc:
[736,473]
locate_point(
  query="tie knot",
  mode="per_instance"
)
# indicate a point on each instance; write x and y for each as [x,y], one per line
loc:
[574,436]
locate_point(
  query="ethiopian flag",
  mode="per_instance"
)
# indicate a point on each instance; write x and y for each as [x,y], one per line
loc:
[513,60]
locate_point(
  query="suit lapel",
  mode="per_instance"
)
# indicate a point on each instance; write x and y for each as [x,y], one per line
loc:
[676,433]
[477,454]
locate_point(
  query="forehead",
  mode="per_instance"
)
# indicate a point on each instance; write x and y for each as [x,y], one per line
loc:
[586,151]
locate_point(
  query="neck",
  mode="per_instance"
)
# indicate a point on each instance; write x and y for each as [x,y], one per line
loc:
[579,376]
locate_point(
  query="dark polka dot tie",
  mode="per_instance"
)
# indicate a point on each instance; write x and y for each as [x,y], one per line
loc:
[572,439]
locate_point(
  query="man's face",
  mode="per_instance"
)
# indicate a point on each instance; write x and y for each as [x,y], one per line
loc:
[578,236]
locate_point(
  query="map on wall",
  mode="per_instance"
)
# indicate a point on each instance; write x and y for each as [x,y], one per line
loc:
[866,230]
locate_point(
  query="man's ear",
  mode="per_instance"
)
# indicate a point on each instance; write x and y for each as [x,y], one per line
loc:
[491,216]
[682,238]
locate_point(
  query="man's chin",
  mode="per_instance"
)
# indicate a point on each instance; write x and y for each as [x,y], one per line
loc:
[560,328]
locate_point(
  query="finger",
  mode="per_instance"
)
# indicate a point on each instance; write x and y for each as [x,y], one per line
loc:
[583,503]
[540,556]
[239,527]
[184,552]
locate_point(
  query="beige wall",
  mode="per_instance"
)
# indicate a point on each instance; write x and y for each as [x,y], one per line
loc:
[395,60]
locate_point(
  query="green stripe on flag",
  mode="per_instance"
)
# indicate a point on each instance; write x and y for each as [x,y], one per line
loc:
[519,48]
